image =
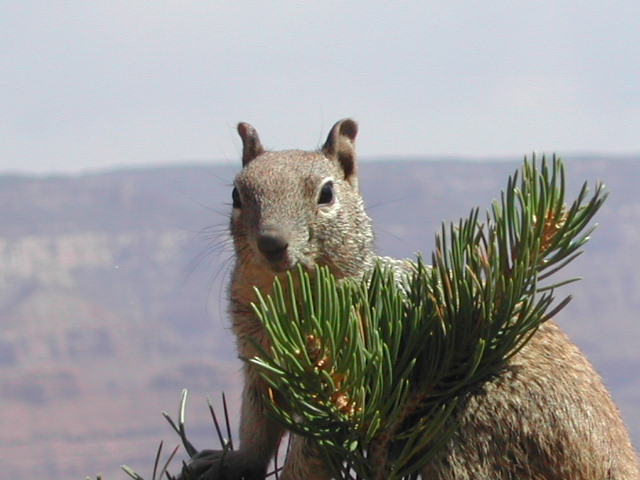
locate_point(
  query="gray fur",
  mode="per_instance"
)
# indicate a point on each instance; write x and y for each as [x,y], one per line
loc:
[546,416]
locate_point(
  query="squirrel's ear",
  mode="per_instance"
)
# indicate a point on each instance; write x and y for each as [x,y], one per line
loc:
[340,146]
[251,146]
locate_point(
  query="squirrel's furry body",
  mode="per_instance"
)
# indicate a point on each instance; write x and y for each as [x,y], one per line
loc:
[546,415]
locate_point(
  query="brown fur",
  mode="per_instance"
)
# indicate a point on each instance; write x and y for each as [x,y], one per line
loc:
[546,416]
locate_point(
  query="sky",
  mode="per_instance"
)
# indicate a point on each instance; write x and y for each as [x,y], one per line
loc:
[91,85]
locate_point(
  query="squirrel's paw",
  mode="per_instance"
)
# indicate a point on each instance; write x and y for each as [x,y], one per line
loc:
[221,465]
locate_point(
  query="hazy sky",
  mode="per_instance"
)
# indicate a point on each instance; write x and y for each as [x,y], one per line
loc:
[94,84]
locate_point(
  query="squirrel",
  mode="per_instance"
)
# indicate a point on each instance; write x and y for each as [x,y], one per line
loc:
[545,415]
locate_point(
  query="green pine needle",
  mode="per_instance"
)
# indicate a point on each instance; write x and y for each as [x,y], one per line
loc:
[373,370]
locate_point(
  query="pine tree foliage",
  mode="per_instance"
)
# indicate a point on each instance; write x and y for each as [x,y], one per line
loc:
[373,370]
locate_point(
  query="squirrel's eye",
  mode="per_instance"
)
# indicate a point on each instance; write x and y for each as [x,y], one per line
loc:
[326,194]
[235,196]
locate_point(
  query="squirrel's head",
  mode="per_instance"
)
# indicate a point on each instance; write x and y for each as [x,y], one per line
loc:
[300,207]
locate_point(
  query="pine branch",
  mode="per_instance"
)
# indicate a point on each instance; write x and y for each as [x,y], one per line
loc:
[373,370]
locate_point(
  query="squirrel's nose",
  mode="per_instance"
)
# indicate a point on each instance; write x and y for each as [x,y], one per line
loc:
[272,242]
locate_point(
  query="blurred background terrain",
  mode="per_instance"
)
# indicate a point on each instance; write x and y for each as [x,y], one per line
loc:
[112,297]
[113,269]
